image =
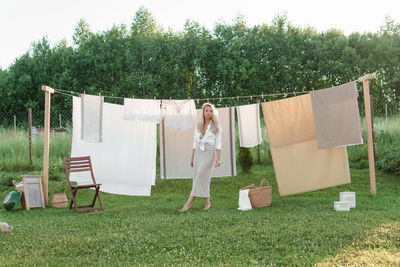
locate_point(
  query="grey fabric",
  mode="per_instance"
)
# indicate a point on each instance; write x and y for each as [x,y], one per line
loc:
[203,165]
[176,149]
[336,116]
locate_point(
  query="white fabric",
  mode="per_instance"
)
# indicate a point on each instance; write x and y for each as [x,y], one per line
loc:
[249,125]
[92,111]
[210,138]
[125,162]
[179,115]
[142,109]
[244,200]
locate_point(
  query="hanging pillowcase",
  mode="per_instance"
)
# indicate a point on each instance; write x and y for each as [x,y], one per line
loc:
[179,115]
[142,110]
[92,118]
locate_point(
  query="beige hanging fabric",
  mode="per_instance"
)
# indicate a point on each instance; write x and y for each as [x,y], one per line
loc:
[336,116]
[298,163]
[249,125]
[176,149]
[92,118]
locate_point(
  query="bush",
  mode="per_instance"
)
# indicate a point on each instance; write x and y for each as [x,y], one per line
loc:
[246,160]
[390,158]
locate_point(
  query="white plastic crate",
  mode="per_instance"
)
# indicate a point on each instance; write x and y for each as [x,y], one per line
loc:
[341,205]
[348,197]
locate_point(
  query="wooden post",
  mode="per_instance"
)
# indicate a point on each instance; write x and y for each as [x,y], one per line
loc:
[368,125]
[47,100]
[30,134]
[386,111]
[59,119]
[15,124]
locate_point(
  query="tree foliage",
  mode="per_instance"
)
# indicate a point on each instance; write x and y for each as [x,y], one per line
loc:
[145,61]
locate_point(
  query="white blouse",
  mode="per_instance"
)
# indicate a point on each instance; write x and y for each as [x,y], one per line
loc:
[210,137]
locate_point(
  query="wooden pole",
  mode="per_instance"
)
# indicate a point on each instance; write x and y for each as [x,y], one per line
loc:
[30,134]
[15,124]
[386,111]
[368,125]
[47,101]
[59,119]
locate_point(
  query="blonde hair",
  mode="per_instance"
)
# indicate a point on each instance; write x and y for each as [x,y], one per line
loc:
[214,120]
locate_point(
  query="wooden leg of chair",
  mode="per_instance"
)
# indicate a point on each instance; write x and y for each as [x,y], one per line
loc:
[73,194]
[98,195]
[94,198]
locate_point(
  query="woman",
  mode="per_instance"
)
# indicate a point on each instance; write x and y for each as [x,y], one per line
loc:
[207,141]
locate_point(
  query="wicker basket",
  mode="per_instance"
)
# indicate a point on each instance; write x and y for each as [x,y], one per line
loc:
[59,201]
[260,196]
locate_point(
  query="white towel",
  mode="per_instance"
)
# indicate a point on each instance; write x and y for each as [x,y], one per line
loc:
[244,200]
[92,117]
[142,109]
[179,115]
[125,162]
[249,125]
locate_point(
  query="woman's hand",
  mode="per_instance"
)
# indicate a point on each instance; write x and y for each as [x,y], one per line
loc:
[217,163]
[191,163]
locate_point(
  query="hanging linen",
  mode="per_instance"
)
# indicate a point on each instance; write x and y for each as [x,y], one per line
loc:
[336,116]
[142,110]
[249,125]
[179,115]
[125,162]
[92,118]
[298,163]
[176,149]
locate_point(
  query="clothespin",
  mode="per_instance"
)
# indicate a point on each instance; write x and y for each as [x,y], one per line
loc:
[170,99]
[262,96]
[207,100]
[237,98]
[284,95]
[198,100]
[294,93]
[251,98]
[220,99]
[154,98]
[133,97]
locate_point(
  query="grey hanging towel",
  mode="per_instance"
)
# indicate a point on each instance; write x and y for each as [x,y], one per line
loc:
[92,118]
[336,116]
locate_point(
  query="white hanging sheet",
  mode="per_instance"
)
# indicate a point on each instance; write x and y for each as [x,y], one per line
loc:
[92,117]
[176,149]
[249,125]
[142,110]
[125,162]
[179,115]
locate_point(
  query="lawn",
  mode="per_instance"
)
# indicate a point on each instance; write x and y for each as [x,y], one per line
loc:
[295,230]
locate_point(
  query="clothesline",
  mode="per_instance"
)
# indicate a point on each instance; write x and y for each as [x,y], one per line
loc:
[72,93]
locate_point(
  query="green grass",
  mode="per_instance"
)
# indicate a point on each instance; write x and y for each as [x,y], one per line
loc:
[296,230]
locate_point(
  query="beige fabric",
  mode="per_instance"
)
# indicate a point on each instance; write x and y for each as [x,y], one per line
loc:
[203,165]
[176,149]
[336,116]
[298,163]
[249,125]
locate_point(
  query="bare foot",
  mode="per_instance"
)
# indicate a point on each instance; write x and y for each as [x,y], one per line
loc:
[185,208]
[207,207]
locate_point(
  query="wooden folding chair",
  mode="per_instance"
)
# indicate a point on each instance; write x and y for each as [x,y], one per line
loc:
[81,164]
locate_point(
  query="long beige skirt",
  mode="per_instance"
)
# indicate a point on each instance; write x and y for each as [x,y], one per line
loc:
[203,165]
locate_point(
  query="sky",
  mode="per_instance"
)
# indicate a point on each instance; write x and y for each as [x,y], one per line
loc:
[23,22]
